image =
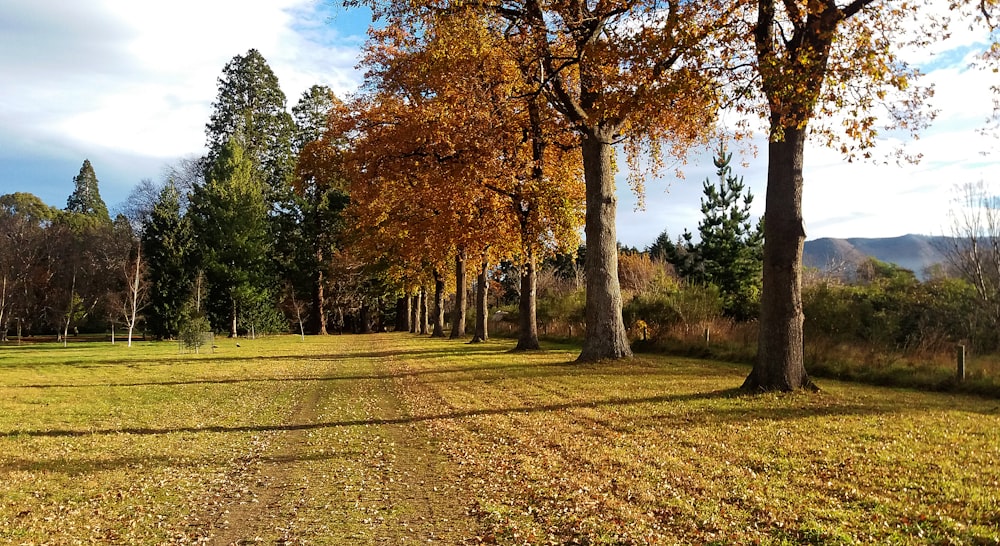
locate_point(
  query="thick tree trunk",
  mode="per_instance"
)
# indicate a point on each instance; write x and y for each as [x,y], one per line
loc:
[438,305]
[779,365]
[458,316]
[527,307]
[403,314]
[482,304]
[365,319]
[3,309]
[606,337]
[424,311]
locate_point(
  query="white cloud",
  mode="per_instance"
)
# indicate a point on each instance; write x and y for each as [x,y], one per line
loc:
[139,77]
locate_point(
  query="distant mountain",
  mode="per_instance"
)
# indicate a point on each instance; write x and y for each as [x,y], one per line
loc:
[913,252]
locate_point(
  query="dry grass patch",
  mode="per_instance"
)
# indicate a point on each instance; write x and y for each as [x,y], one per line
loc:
[664,451]
[395,438]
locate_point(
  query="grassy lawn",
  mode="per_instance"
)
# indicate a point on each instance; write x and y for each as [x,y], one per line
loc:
[393,438]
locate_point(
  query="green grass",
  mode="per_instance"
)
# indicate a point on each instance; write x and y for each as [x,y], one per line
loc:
[397,438]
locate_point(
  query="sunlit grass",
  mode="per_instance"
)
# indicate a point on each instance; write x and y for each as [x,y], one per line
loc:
[368,439]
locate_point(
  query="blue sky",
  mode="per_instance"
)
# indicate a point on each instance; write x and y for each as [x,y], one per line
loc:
[129,85]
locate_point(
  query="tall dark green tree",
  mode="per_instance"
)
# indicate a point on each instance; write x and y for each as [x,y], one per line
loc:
[167,246]
[730,250]
[250,103]
[233,238]
[320,197]
[86,196]
[310,114]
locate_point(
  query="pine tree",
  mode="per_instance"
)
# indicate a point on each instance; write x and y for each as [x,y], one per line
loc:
[167,248]
[310,114]
[730,248]
[86,197]
[250,103]
[320,198]
[230,221]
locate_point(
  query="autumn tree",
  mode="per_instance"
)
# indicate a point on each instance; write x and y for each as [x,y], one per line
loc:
[623,72]
[812,60]
[475,178]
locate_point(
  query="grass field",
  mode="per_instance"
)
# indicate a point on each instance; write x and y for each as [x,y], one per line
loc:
[393,438]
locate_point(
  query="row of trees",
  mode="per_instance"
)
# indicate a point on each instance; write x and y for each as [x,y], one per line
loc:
[60,269]
[652,76]
[487,130]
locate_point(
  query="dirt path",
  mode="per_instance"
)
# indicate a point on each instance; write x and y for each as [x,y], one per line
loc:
[347,468]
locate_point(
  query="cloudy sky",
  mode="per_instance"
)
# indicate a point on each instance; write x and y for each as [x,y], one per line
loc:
[129,85]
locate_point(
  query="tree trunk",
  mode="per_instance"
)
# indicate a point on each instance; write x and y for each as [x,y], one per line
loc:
[527,307]
[233,332]
[403,314]
[438,305]
[482,304]
[424,311]
[458,317]
[415,313]
[779,365]
[317,322]
[605,337]
[3,308]
[365,319]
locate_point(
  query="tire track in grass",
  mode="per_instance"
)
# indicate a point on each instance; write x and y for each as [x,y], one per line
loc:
[348,468]
[243,519]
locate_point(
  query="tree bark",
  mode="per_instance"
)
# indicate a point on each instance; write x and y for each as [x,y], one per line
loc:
[365,318]
[458,316]
[3,308]
[318,319]
[415,313]
[482,304]
[779,365]
[527,307]
[233,332]
[403,314]
[438,305]
[606,337]
[424,311]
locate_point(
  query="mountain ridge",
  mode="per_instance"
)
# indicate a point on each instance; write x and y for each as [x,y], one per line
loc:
[914,252]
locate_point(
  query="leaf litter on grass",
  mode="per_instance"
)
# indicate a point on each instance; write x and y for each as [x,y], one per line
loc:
[396,438]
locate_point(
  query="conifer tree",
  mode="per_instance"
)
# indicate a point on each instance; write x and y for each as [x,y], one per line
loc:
[730,248]
[167,248]
[230,223]
[86,197]
[250,103]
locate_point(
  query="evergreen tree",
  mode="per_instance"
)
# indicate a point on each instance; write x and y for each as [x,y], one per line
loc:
[730,250]
[320,198]
[230,221]
[310,114]
[86,197]
[167,249]
[250,103]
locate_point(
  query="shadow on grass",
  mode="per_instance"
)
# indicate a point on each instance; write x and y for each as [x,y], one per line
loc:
[232,357]
[709,414]
[79,466]
[489,372]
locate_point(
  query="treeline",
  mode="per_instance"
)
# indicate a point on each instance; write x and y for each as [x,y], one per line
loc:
[487,134]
